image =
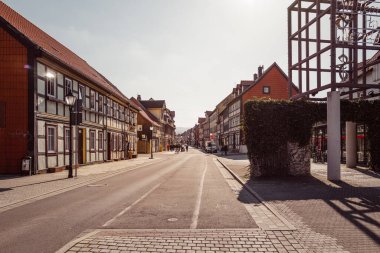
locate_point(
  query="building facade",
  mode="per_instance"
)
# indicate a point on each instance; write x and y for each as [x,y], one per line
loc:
[165,117]
[37,72]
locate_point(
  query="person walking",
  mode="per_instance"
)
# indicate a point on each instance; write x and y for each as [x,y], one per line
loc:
[225,150]
[187,147]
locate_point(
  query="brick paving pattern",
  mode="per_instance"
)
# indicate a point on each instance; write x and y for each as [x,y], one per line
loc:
[329,217]
[189,241]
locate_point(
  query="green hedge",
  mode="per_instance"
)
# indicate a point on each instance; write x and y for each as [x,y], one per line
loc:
[270,124]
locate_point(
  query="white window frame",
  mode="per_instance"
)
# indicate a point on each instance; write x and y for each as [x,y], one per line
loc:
[67,140]
[50,83]
[100,140]
[268,90]
[92,140]
[51,139]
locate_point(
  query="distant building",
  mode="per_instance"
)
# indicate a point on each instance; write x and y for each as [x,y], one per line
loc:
[165,117]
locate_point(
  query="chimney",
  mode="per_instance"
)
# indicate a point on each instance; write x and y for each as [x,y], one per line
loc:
[139,97]
[254,77]
[260,70]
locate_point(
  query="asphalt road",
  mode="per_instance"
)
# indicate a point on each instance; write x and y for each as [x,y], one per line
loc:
[179,192]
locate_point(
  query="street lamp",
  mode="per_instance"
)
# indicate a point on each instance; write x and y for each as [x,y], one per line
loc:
[70,101]
[151,142]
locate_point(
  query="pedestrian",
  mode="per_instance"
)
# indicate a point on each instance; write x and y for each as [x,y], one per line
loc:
[187,147]
[225,150]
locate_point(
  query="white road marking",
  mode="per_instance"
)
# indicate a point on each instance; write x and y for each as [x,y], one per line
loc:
[133,204]
[194,220]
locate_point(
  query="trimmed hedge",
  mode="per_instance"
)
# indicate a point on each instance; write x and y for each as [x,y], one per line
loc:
[270,124]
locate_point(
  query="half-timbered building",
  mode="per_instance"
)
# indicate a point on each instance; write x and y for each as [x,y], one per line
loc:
[37,72]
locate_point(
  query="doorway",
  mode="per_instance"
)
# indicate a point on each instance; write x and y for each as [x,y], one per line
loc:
[81,146]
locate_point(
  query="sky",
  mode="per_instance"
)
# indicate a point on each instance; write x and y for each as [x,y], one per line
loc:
[191,53]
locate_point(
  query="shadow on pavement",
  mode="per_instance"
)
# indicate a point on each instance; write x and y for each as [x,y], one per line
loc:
[325,206]
[368,172]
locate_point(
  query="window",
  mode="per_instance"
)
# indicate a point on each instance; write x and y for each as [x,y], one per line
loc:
[50,83]
[67,140]
[266,89]
[120,142]
[82,95]
[51,139]
[68,86]
[110,108]
[121,113]
[127,116]
[92,100]
[114,109]
[376,72]
[92,140]
[100,104]
[100,140]
[114,137]
[2,114]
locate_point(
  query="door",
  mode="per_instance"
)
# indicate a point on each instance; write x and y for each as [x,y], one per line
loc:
[80,146]
[109,144]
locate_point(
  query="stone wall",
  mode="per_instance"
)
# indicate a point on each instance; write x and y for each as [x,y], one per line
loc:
[298,160]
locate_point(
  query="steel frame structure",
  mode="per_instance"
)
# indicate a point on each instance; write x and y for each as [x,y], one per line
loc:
[354,29]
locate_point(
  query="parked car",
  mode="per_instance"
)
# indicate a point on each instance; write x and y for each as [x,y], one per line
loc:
[211,148]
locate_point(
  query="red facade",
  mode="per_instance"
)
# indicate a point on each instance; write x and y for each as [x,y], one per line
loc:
[276,80]
[14,132]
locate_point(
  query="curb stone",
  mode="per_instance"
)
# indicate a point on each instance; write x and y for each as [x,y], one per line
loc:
[258,197]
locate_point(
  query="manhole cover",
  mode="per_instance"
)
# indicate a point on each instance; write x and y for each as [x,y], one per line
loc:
[172,219]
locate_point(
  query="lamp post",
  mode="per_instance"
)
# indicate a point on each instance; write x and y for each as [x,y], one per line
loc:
[151,142]
[70,101]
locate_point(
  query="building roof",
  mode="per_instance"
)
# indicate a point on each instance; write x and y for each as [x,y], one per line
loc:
[144,112]
[274,65]
[153,103]
[201,120]
[52,48]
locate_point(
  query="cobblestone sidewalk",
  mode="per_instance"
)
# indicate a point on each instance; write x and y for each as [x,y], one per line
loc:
[329,217]
[186,241]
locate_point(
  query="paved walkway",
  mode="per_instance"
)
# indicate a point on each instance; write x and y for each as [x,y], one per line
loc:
[328,216]
[19,190]
[308,214]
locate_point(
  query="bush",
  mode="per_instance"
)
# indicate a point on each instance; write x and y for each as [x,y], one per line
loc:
[270,124]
